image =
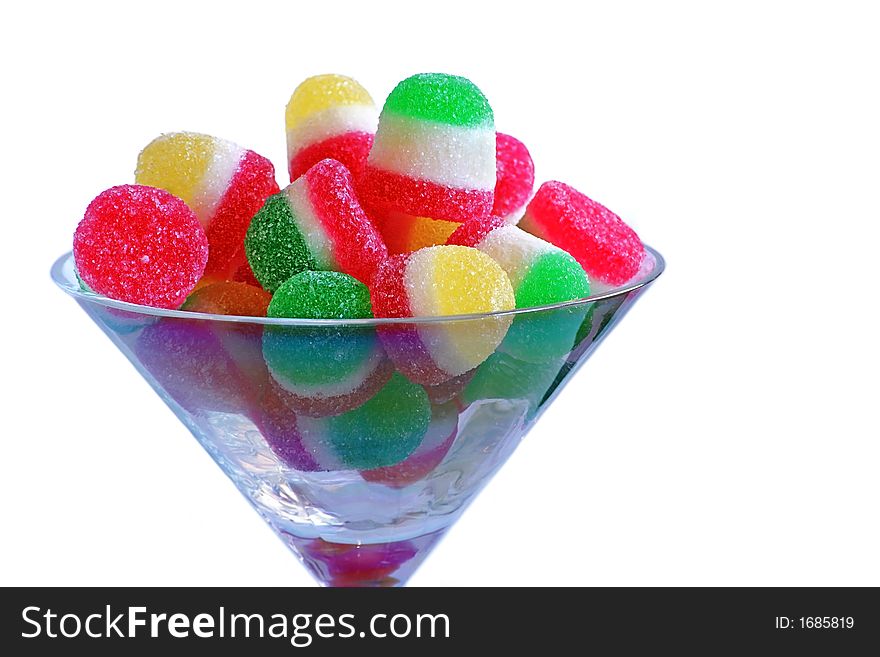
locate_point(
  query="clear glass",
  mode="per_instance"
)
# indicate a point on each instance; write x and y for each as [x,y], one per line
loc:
[360,441]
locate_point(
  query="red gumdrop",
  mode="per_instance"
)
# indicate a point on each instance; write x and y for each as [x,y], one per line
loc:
[472,232]
[358,246]
[351,148]
[141,245]
[607,249]
[252,183]
[514,177]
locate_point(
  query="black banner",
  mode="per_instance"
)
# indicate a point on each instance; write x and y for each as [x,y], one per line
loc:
[325,621]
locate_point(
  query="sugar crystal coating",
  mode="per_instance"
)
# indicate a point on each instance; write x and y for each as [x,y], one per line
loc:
[324,370]
[329,116]
[222,182]
[321,295]
[315,223]
[322,92]
[229,298]
[539,272]
[515,177]
[432,449]
[356,245]
[433,155]
[440,98]
[437,281]
[384,430]
[142,245]
[608,250]
[351,149]
[275,247]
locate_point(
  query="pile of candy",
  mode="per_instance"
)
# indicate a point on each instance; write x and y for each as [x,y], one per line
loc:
[429,170]
[421,210]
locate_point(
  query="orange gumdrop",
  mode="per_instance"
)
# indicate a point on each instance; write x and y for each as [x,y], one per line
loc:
[229,298]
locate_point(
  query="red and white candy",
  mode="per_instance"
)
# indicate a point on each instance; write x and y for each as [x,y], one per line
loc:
[329,116]
[609,251]
[222,182]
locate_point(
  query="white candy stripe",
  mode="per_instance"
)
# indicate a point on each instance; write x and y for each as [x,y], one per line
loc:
[444,343]
[309,225]
[418,280]
[454,156]
[331,122]
[515,250]
[215,182]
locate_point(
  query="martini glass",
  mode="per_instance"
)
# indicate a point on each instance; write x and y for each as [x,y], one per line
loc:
[343,435]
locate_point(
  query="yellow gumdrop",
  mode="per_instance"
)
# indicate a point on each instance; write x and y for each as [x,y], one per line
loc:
[459,280]
[177,163]
[321,92]
[468,281]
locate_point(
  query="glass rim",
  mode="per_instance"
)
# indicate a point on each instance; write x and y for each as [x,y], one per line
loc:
[74,290]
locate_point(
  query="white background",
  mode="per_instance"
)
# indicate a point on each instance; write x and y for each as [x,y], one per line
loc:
[725,434]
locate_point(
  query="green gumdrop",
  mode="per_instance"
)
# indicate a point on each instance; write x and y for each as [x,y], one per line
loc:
[300,356]
[321,295]
[503,377]
[555,277]
[303,356]
[442,98]
[548,334]
[384,430]
[274,246]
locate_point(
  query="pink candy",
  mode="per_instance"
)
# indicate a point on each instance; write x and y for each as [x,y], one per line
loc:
[142,245]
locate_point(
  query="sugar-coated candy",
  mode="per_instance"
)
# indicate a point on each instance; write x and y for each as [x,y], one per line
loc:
[321,295]
[140,244]
[189,361]
[608,250]
[384,430]
[515,178]
[222,182]
[381,432]
[539,272]
[229,298]
[437,281]
[316,223]
[435,444]
[324,370]
[329,116]
[434,151]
